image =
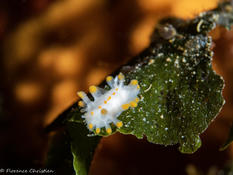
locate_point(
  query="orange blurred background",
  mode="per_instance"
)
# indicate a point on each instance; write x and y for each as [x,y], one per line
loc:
[50,49]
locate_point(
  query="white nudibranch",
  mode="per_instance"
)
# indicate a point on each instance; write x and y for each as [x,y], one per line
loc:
[108,105]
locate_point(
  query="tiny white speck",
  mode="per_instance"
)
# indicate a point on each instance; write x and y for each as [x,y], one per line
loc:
[151,61]
[168,59]
[141,98]
[148,88]
[184,60]
[161,116]
[160,54]
[199,25]
[176,63]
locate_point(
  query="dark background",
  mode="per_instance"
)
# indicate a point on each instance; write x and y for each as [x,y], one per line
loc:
[50,49]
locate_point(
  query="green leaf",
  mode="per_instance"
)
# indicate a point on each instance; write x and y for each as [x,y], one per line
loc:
[82,147]
[228,141]
[180,93]
[59,157]
[76,141]
[71,153]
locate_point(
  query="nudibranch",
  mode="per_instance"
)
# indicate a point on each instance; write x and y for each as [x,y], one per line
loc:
[108,104]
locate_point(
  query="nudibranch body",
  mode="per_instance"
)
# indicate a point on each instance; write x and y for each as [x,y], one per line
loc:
[108,105]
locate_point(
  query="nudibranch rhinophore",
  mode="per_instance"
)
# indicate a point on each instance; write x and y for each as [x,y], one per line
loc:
[108,105]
